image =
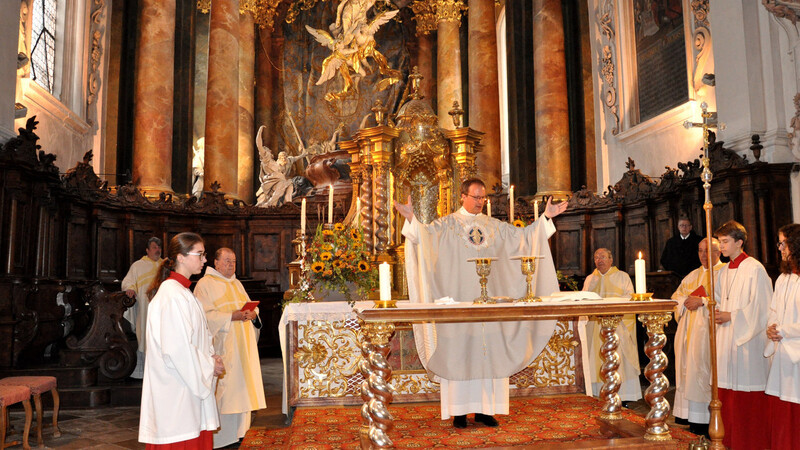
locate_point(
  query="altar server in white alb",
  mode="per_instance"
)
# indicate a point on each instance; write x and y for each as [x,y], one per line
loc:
[608,281]
[743,294]
[136,284]
[692,350]
[240,389]
[181,369]
[783,332]
[473,361]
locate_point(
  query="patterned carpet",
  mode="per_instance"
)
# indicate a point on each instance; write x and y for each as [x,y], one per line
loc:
[534,420]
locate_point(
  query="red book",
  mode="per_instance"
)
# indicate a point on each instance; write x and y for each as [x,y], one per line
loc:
[250,306]
[699,292]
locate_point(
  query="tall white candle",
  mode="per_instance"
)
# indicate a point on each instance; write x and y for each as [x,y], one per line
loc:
[489,207]
[511,203]
[639,271]
[330,204]
[358,210]
[385,277]
[536,210]
[303,217]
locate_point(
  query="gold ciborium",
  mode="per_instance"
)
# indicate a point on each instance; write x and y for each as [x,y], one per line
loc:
[528,264]
[483,266]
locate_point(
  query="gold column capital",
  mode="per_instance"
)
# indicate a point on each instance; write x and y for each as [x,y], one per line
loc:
[466,144]
[449,11]
[425,15]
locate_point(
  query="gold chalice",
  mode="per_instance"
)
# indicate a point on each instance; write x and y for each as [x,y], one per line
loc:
[483,266]
[528,269]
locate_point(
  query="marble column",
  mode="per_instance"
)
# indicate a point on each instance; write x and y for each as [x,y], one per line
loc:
[425,16]
[264,85]
[153,93]
[484,92]
[222,99]
[448,59]
[246,106]
[550,100]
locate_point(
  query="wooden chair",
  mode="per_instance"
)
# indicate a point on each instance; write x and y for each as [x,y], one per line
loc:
[10,395]
[37,386]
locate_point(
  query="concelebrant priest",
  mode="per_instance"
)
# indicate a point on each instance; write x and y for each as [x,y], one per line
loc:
[472,361]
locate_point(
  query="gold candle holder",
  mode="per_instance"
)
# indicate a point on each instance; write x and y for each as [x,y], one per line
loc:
[483,266]
[382,304]
[641,297]
[528,267]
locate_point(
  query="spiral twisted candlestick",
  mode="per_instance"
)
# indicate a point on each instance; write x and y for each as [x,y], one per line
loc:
[657,429]
[381,207]
[612,406]
[366,205]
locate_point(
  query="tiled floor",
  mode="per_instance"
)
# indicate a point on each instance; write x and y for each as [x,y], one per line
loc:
[117,428]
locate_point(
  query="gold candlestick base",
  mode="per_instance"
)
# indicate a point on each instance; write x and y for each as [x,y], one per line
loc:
[641,297]
[380,304]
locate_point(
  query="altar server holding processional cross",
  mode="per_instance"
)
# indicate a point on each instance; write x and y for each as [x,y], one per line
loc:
[743,292]
[692,350]
[783,346]
[472,361]
[240,390]
[608,281]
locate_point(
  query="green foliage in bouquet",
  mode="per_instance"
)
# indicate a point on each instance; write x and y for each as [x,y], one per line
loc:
[336,260]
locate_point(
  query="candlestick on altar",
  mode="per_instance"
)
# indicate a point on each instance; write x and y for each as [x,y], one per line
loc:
[639,270]
[535,210]
[511,204]
[489,207]
[303,217]
[330,204]
[385,277]
[358,211]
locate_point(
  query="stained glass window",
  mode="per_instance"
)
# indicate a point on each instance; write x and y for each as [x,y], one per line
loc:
[43,43]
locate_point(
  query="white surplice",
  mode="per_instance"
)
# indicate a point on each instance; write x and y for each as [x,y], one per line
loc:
[139,278]
[473,361]
[240,389]
[784,375]
[178,388]
[692,350]
[614,283]
[745,292]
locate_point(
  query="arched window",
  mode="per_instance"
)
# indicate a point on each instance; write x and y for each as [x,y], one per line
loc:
[43,43]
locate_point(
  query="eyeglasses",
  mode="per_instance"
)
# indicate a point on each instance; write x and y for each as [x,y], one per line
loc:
[478,198]
[781,244]
[200,254]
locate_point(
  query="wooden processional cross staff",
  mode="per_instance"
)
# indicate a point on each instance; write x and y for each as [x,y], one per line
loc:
[716,429]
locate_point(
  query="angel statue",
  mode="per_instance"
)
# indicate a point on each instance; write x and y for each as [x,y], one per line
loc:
[198,156]
[320,148]
[352,41]
[276,186]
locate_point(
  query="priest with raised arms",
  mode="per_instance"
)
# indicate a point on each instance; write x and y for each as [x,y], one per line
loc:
[692,349]
[240,390]
[472,361]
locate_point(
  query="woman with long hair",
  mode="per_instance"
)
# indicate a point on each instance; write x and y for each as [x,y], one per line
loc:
[178,406]
[783,346]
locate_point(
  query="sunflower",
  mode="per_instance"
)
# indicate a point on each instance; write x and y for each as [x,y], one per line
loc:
[327,246]
[339,252]
[317,267]
[338,264]
[327,232]
[354,234]
[325,256]
[327,273]
[338,227]
[363,266]
[519,224]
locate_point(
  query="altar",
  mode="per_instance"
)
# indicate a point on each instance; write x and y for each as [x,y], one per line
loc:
[321,345]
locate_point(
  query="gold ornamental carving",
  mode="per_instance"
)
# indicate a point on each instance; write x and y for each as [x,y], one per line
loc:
[263,11]
[425,16]
[327,358]
[449,11]
[605,18]
[555,366]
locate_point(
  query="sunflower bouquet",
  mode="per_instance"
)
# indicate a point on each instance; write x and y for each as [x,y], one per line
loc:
[336,260]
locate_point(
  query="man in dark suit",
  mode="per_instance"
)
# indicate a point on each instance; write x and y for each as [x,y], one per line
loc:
[680,252]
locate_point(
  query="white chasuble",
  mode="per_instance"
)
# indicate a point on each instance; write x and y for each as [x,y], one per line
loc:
[692,350]
[240,389]
[139,278]
[474,360]
[745,291]
[784,375]
[614,283]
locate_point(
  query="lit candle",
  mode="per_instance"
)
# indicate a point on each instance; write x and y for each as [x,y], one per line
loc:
[511,203]
[330,204]
[639,271]
[303,217]
[385,277]
[489,207]
[358,210]
[535,210]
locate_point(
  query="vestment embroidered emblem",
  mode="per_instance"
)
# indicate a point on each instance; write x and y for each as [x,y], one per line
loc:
[476,236]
